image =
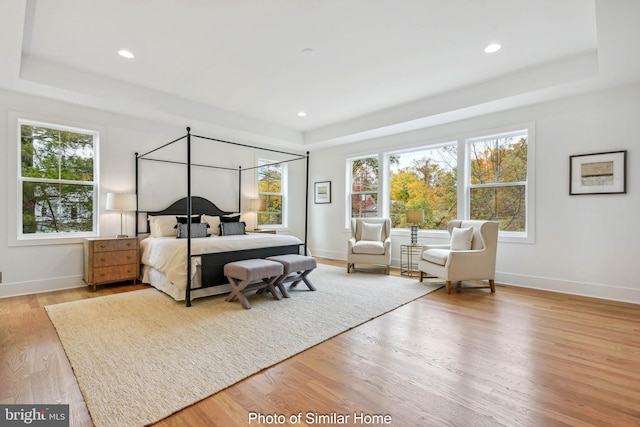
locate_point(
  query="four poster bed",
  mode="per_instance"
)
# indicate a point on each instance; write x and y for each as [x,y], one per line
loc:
[190,241]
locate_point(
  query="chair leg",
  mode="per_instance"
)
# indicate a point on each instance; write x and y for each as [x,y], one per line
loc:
[349,266]
[421,275]
[492,285]
[448,286]
[387,272]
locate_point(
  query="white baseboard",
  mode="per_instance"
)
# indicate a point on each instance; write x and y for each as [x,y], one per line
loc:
[341,256]
[595,290]
[39,286]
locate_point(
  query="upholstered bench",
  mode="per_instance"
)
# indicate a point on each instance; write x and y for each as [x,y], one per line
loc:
[250,275]
[296,269]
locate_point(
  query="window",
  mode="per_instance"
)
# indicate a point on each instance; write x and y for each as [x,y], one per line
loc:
[57,183]
[424,180]
[497,179]
[272,189]
[363,191]
[487,177]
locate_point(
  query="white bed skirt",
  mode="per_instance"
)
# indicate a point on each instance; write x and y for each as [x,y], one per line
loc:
[159,281]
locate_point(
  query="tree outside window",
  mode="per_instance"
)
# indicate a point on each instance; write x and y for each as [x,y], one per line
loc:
[364,187]
[498,180]
[57,180]
[271,189]
[424,180]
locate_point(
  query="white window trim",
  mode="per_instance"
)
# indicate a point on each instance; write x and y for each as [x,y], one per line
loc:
[285,191]
[464,210]
[383,207]
[14,192]
[528,236]
[387,191]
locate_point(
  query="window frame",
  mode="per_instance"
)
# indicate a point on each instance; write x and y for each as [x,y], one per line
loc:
[15,216]
[526,236]
[463,180]
[382,206]
[435,146]
[283,187]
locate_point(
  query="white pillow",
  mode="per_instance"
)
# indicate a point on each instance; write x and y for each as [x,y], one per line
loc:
[163,226]
[214,224]
[461,239]
[371,232]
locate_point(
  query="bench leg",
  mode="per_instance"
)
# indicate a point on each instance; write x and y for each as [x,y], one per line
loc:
[303,277]
[270,282]
[280,285]
[238,287]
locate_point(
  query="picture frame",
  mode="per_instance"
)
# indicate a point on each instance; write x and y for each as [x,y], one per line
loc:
[598,173]
[322,192]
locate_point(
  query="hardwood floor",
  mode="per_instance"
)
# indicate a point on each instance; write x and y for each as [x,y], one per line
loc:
[519,357]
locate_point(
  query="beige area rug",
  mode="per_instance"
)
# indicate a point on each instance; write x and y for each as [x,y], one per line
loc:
[141,356]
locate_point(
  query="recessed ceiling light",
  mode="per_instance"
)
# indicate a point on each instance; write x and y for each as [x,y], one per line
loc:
[493,47]
[302,114]
[126,54]
[307,51]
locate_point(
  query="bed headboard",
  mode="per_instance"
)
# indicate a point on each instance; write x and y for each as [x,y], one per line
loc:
[199,206]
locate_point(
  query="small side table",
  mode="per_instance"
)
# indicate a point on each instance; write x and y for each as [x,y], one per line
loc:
[109,260]
[408,262]
[263,231]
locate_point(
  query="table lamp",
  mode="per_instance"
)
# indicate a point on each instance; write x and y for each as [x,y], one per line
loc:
[121,202]
[257,205]
[415,217]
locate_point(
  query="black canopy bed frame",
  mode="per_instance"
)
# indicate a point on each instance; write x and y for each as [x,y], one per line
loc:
[212,264]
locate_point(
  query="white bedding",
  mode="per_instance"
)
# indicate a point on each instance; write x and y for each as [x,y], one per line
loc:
[168,255]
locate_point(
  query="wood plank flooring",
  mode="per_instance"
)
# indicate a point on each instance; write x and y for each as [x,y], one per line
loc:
[519,357]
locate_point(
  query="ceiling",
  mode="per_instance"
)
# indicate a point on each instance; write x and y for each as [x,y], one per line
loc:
[376,66]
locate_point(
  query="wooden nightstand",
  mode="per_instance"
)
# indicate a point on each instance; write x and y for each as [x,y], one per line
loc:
[108,260]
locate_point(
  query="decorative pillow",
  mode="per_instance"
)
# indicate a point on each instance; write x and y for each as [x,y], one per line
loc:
[372,232]
[461,239]
[195,219]
[197,230]
[230,218]
[162,226]
[232,228]
[214,222]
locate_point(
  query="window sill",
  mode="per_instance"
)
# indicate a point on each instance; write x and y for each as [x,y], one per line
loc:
[47,241]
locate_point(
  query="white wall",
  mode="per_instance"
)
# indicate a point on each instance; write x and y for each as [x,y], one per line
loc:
[584,245]
[38,268]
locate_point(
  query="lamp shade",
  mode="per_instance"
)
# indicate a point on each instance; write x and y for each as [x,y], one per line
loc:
[121,202]
[415,216]
[258,204]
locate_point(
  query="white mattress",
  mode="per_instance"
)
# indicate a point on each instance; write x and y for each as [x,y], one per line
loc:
[164,259]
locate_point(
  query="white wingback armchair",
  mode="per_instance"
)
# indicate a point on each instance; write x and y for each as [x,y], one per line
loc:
[471,255]
[370,242]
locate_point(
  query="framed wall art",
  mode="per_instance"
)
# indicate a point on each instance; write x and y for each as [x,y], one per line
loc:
[598,173]
[322,192]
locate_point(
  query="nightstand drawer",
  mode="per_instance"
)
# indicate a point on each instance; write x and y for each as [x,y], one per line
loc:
[105,259]
[113,274]
[115,245]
